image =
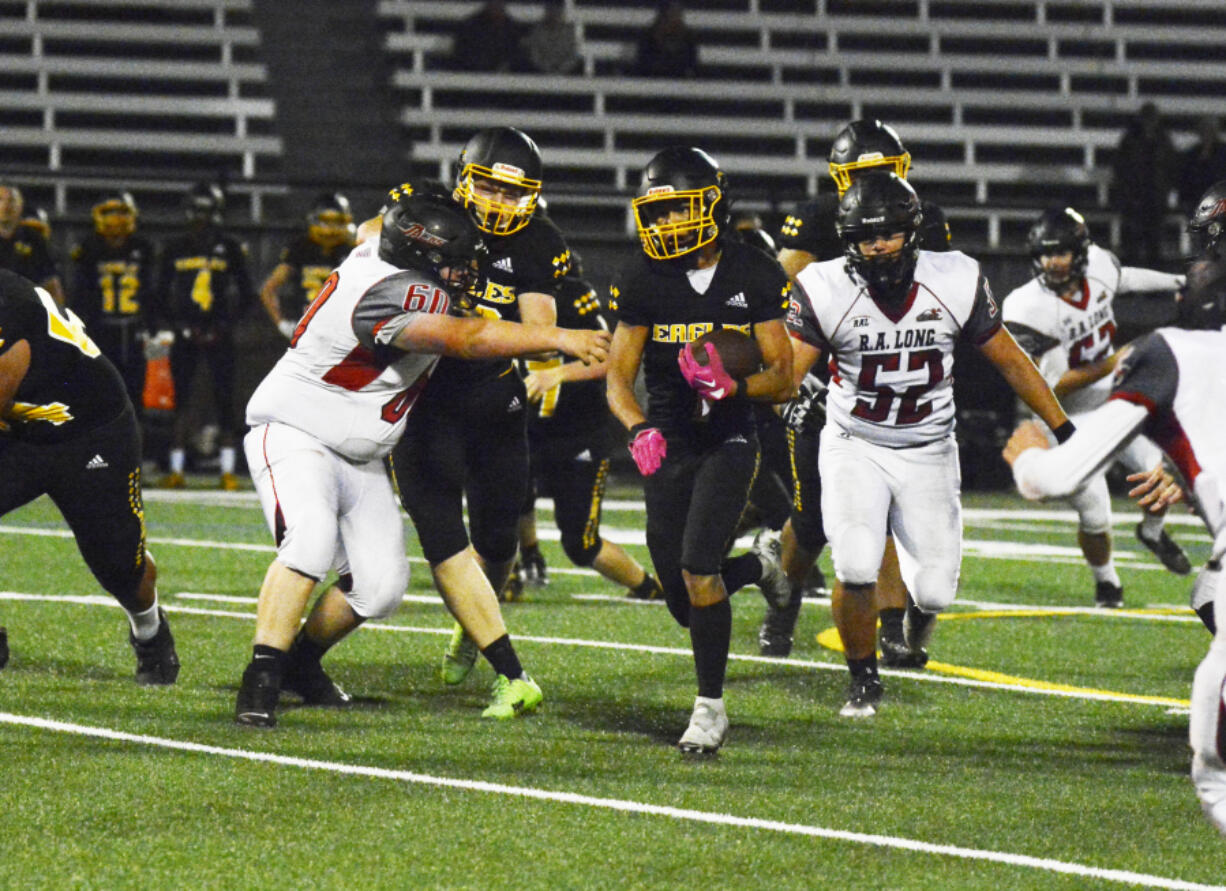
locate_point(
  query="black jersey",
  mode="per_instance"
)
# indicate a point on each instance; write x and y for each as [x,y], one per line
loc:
[203,282]
[574,407]
[748,287]
[27,253]
[310,265]
[70,388]
[810,227]
[111,284]
[534,259]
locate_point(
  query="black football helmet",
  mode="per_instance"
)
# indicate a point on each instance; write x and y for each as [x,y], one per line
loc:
[864,145]
[1208,220]
[424,229]
[499,179]
[205,205]
[115,215]
[934,233]
[876,205]
[682,203]
[1060,230]
[330,222]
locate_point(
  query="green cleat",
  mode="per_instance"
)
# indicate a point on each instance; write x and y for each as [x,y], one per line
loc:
[460,657]
[513,698]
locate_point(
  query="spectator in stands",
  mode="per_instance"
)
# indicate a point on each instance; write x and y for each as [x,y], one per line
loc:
[1142,180]
[25,250]
[668,47]
[552,46]
[1203,164]
[488,40]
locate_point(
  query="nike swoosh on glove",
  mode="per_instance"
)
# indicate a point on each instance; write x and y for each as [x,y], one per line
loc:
[711,380]
[648,448]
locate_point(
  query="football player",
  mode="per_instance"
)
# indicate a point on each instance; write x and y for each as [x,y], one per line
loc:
[889,315]
[468,438]
[1162,385]
[68,431]
[569,452]
[808,235]
[1064,318]
[327,415]
[203,287]
[25,250]
[307,261]
[696,443]
[113,270]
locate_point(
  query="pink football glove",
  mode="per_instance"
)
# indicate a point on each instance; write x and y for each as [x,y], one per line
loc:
[711,380]
[648,448]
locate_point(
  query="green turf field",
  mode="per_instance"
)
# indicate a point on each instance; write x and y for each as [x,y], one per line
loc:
[1044,748]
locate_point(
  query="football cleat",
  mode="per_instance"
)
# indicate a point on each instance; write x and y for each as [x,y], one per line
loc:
[4,647]
[173,481]
[307,678]
[1165,549]
[512,698]
[896,654]
[775,635]
[863,696]
[536,573]
[256,705]
[513,588]
[157,663]
[1108,596]
[708,728]
[774,582]
[917,628]
[460,656]
[229,483]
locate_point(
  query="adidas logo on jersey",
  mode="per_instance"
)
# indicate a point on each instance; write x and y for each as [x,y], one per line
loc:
[504,264]
[515,405]
[738,300]
[96,463]
[584,456]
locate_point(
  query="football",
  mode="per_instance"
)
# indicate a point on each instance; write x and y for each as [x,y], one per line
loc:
[738,351]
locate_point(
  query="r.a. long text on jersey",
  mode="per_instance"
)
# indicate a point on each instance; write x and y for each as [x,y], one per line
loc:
[892,367]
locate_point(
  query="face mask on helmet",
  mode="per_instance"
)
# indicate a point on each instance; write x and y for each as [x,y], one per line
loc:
[205,206]
[673,223]
[1208,222]
[330,224]
[866,145]
[501,198]
[1059,244]
[880,207]
[115,217]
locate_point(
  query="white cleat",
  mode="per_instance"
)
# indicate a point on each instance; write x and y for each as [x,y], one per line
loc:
[708,727]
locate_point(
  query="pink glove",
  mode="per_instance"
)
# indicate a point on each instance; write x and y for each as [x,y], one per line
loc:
[711,380]
[648,448]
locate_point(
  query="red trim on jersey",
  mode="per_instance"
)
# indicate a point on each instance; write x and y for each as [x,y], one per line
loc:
[1084,300]
[1166,431]
[896,316]
[356,370]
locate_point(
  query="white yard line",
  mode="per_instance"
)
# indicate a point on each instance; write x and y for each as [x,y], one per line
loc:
[1024,861]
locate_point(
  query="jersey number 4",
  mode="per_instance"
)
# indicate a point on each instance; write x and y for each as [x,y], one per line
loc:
[910,409]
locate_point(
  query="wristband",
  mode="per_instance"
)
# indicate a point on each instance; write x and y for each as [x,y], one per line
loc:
[741,385]
[1064,431]
[639,428]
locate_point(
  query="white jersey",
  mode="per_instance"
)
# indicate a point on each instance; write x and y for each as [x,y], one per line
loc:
[340,381]
[1063,333]
[891,370]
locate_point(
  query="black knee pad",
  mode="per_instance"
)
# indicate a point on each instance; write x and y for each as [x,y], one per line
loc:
[497,545]
[579,551]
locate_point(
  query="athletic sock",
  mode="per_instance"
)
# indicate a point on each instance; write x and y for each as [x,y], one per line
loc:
[178,460]
[501,656]
[710,636]
[741,571]
[307,650]
[891,622]
[269,659]
[1152,525]
[863,667]
[644,589]
[226,459]
[145,623]
[1106,573]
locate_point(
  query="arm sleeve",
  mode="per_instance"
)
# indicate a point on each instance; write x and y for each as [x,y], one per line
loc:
[1134,279]
[1057,472]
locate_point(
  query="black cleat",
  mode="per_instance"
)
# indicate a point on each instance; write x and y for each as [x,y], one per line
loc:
[513,589]
[776,634]
[648,589]
[258,693]
[863,696]
[1108,596]
[1166,550]
[536,573]
[157,663]
[896,654]
[4,647]
[307,678]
